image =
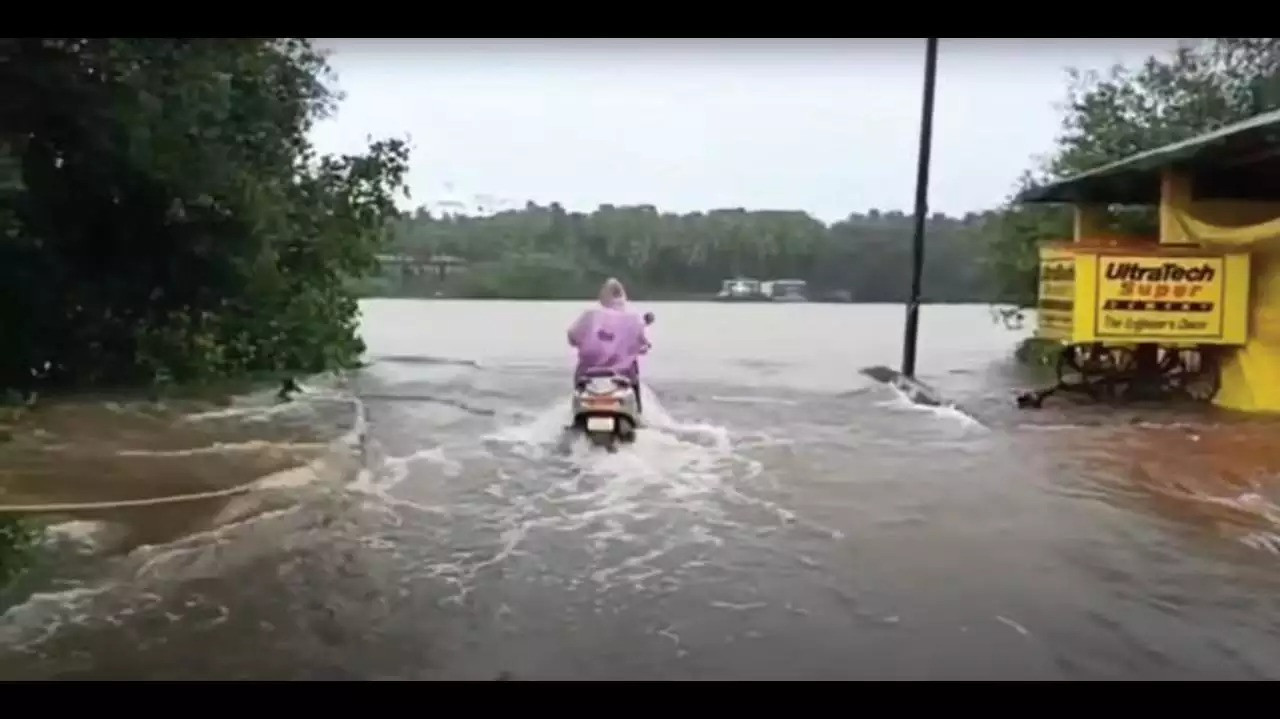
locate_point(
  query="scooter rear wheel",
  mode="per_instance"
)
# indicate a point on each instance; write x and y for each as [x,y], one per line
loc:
[608,441]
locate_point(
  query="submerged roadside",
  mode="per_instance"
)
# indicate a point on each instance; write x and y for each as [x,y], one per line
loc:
[147,466]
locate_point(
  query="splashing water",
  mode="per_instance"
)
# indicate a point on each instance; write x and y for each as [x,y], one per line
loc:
[660,435]
[647,512]
[901,402]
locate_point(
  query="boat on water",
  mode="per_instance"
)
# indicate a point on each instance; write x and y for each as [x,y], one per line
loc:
[747,289]
[740,289]
[785,290]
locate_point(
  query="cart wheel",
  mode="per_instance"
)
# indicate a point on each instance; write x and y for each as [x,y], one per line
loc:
[1068,368]
[1078,366]
[1198,374]
[1120,365]
[1098,371]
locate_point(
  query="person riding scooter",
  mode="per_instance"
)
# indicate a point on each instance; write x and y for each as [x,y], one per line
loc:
[610,337]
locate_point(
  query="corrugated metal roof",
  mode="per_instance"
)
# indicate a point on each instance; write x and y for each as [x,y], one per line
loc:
[1136,179]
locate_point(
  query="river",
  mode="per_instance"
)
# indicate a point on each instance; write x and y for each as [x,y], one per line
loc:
[784,518]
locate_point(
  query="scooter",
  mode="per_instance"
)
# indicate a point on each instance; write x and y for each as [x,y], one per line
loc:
[605,406]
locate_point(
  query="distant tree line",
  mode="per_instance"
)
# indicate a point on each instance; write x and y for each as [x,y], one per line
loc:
[548,252]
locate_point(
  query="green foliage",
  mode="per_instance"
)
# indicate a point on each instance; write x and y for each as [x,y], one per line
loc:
[546,252]
[17,544]
[1037,351]
[1108,117]
[164,218]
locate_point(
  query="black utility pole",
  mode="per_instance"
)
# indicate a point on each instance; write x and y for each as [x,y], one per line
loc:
[922,208]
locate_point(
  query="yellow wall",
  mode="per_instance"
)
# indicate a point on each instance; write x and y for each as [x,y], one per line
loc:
[1176,198]
[1250,374]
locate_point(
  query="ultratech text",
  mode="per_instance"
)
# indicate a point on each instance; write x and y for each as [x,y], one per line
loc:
[1165,272]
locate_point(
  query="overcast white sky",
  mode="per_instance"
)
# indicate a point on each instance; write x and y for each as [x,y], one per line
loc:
[826,126]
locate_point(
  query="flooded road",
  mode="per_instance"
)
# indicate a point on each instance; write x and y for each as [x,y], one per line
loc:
[784,518]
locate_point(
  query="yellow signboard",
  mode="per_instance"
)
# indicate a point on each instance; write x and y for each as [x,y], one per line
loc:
[1162,298]
[1056,303]
[1122,296]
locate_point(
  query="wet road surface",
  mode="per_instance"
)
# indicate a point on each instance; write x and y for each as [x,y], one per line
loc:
[783,518]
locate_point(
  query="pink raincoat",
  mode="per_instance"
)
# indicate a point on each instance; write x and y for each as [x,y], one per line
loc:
[609,336]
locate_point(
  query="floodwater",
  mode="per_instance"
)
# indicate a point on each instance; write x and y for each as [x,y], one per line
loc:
[783,518]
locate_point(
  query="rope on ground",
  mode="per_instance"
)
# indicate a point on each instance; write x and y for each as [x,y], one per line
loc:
[54,508]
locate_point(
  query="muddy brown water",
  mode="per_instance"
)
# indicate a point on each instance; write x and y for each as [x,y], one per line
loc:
[784,518]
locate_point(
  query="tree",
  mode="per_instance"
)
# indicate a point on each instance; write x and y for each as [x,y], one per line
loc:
[1107,117]
[164,216]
